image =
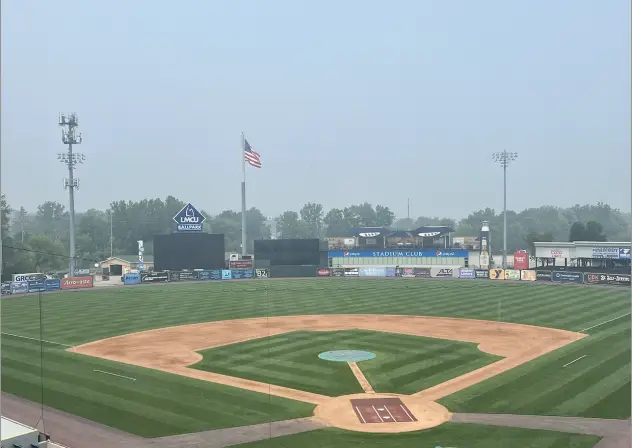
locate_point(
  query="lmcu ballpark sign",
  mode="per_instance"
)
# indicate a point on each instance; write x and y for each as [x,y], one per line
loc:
[189,219]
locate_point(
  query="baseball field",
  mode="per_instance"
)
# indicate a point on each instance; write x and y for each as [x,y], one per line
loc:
[170,360]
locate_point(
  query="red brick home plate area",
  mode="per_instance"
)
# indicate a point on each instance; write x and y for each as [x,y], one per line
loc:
[382,410]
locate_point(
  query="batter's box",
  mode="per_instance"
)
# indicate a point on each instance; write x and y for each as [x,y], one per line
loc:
[382,410]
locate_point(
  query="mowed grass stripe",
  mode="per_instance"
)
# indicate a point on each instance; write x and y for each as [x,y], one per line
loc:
[543,386]
[298,366]
[155,404]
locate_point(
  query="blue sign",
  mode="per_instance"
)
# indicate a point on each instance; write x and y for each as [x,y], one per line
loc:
[467,273]
[624,254]
[189,219]
[368,271]
[243,273]
[398,253]
[227,274]
[210,275]
[131,279]
[37,285]
[19,287]
[53,284]
[391,271]
[567,277]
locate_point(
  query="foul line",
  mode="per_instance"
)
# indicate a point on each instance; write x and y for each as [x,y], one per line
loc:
[594,326]
[574,361]
[35,339]
[115,374]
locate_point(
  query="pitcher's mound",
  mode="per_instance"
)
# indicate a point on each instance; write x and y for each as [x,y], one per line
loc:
[382,413]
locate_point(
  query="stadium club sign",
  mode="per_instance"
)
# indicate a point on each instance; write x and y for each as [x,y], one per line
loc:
[189,219]
[398,253]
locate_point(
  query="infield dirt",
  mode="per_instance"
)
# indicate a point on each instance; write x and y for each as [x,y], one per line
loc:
[173,349]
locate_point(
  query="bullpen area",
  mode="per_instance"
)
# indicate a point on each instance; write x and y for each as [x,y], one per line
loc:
[333,362]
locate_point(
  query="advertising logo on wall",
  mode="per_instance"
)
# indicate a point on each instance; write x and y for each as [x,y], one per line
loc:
[567,277]
[512,274]
[261,273]
[481,273]
[337,272]
[496,274]
[76,282]
[154,277]
[240,264]
[399,253]
[322,272]
[624,254]
[543,275]
[521,260]
[605,252]
[528,276]
[215,274]
[19,287]
[131,279]
[467,273]
[607,279]
[442,272]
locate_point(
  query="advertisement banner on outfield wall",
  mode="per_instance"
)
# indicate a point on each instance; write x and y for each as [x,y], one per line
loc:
[567,277]
[512,274]
[177,276]
[215,274]
[467,273]
[529,276]
[543,275]
[19,287]
[444,272]
[337,272]
[352,272]
[76,282]
[259,273]
[37,285]
[481,273]
[53,284]
[154,277]
[131,279]
[607,279]
[368,271]
[391,272]
[521,260]
[322,272]
[227,274]
[242,273]
[413,272]
[496,274]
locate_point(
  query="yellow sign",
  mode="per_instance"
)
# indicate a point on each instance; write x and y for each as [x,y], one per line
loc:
[496,274]
[528,275]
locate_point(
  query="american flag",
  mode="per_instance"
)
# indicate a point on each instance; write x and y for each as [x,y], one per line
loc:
[252,156]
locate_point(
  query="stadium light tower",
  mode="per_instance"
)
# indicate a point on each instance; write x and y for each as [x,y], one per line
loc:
[70,136]
[504,158]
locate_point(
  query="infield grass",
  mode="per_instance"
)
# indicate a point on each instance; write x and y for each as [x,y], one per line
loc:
[452,435]
[403,364]
[593,387]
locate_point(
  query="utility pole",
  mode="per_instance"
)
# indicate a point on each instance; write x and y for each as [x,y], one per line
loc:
[22,222]
[111,235]
[504,158]
[69,136]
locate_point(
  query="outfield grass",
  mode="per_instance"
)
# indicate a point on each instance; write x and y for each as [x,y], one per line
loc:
[451,435]
[597,385]
[78,317]
[403,364]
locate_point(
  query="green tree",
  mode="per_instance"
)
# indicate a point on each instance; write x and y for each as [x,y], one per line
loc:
[48,255]
[289,225]
[337,225]
[591,231]
[312,217]
[384,217]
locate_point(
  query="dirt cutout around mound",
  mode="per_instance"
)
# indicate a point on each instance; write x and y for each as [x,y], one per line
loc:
[173,349]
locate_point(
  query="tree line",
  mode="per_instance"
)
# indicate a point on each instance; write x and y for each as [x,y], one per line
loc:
[36,241]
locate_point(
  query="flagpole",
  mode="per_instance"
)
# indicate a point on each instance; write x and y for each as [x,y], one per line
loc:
[243,196]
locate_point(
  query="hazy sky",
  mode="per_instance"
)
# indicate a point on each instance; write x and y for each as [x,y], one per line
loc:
[347,101]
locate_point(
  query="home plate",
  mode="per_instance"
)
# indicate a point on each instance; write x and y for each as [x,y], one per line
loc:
[382,410]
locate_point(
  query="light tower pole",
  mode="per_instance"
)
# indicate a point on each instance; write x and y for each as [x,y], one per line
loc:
[69,136]
[504,158]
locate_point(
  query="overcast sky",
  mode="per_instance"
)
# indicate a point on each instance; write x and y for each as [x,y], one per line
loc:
[346,101]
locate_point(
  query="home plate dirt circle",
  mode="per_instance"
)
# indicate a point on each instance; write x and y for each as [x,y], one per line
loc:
[381,413]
